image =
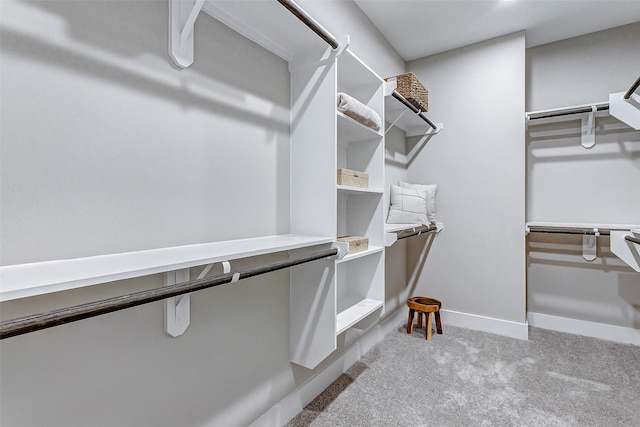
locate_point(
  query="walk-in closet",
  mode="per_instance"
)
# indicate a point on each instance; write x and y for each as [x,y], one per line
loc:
[214,213]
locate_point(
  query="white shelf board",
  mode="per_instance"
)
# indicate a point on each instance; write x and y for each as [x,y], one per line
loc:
[402,117]
[350,130]
[355,313]
[370,250]
[281,33]
[602,226]
[25,280]
[390,228]
[359,190]
[533,115]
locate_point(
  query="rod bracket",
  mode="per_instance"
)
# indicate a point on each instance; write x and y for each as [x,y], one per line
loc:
[589,128]
[182,18]
[177,309]
[589,245]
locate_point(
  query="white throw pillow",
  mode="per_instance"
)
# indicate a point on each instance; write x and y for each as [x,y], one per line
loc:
[431,190]
[407,206]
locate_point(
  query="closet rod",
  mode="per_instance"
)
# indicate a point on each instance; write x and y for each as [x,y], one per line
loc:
[571,231]
[632,89]
[417,231]
[310,22]
[36,322]
[571,111]
[407,104]
[632,239]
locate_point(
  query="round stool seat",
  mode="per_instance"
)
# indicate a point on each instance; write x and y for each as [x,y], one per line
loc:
[426,306]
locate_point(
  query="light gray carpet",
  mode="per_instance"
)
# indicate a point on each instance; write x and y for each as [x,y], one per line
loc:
[469,378]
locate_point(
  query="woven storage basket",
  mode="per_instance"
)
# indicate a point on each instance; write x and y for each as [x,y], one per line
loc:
[356,243]
[353,178]
[412,90]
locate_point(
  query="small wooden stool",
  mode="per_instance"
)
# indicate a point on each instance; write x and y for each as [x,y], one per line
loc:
[427,306]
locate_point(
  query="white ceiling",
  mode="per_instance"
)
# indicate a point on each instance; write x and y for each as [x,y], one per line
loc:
[419,28]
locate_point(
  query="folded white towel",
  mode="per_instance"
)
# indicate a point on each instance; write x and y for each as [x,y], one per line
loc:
[355,109]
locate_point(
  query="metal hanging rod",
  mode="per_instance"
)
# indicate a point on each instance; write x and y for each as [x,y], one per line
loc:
[632,239]
[410,106]
[567,111]
[310,22]
[36,322]
[417,231]
[601,229]
[632,89]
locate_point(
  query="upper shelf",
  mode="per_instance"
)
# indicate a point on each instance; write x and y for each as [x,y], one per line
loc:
[25,280]
[349,130]
[281,33]
[398,114]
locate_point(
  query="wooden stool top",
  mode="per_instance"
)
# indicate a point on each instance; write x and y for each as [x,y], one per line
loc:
[424,304]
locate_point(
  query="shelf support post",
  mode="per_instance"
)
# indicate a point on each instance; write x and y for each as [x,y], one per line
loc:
[182,18]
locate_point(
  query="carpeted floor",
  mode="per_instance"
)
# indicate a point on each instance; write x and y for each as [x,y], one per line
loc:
[470,378]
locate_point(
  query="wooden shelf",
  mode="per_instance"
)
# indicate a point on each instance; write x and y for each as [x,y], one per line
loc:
[25,280]
[355,313]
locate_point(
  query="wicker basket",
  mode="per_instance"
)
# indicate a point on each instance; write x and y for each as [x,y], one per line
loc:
[356,243]
[412,90]
[353,178]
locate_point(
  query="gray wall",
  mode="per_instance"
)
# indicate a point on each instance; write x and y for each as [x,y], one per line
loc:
[106,147]
[476,264]
[567,183]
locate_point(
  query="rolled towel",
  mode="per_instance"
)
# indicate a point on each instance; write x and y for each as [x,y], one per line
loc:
[355,109]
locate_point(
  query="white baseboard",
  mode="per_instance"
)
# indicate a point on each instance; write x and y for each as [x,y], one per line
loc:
[485,324]
[603,331]
[290,406]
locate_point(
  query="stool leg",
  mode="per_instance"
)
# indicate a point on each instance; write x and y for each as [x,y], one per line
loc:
[427,328]
[438,324]
[419,322]
[410,321]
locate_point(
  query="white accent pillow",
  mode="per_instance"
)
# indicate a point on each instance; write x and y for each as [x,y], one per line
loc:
[431,190]
[407,206]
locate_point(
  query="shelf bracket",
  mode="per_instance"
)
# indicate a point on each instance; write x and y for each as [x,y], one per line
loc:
[182,18]
[178,309]
[589,244]
[589,128]
[627,250]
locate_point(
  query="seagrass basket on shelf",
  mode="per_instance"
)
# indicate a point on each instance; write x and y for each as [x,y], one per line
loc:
[412,90]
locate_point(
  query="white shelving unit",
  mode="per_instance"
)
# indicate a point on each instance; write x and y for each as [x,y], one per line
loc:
[330,297]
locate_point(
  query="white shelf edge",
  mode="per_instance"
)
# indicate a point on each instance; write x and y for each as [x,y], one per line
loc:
[580,225]
[352,315]
[370,251]
[25,280]
[533,114]
[349,189]
[390,230]
[357,124]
